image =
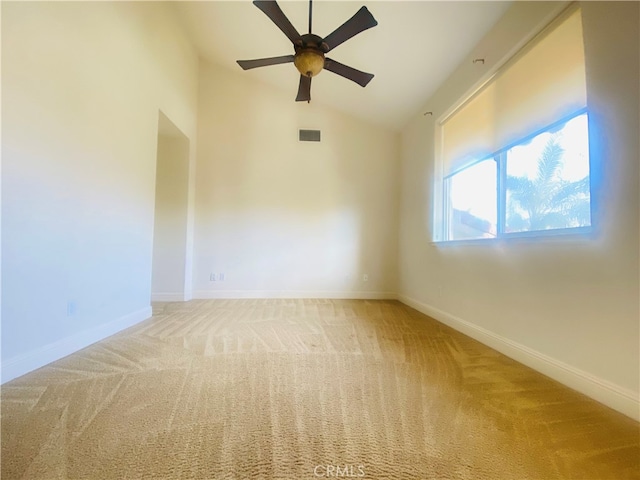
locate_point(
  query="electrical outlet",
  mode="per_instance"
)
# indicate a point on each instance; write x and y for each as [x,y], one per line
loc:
[212,277]
[365,277]
[221,277]
[71,308]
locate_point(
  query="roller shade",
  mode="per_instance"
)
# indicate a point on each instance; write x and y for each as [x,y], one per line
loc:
[542,84]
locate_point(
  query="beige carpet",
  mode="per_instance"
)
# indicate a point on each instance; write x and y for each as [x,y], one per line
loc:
[303,389]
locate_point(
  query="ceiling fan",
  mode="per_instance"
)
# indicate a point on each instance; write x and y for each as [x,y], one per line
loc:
[310,49]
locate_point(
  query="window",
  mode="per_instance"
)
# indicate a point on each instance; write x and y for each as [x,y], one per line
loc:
[472,209]
[515,155]
[547,180]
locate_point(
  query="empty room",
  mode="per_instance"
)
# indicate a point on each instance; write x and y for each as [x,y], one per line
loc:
[320,239]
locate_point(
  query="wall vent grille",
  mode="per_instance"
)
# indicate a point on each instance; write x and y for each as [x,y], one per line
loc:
[309,135]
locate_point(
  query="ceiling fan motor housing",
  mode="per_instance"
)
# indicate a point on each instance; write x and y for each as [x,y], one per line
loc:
[309,57]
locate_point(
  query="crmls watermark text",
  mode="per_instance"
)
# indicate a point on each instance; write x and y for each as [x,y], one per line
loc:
[344,471]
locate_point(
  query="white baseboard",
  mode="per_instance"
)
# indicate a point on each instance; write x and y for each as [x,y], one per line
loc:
[27,362]
[348,295]
[621,399]
[169,297]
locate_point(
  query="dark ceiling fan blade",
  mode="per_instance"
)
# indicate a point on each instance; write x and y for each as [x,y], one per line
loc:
[361,78]
[361,21]
[264,62]
[304,89]
[277,16]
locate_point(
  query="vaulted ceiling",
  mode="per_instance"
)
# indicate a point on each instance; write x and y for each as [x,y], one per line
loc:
[414,48]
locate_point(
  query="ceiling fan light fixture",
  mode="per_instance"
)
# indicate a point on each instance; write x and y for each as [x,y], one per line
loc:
[309,62]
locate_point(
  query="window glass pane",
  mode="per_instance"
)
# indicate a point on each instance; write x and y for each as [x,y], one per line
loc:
[548,180]
[472,205]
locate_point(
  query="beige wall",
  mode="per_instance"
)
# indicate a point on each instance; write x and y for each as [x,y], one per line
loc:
[566,306]
[82,84]
[281,217]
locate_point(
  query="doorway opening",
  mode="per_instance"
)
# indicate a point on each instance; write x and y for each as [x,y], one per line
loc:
[168,272]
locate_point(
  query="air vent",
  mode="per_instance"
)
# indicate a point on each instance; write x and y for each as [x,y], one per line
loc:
[309,135]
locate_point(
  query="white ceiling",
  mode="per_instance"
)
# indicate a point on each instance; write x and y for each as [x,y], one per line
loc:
[413,49]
